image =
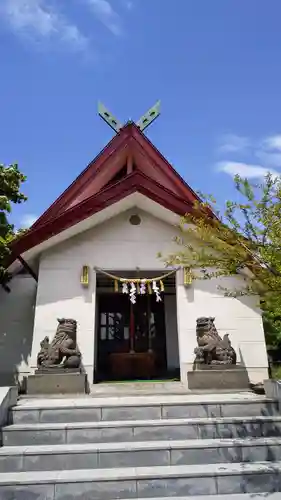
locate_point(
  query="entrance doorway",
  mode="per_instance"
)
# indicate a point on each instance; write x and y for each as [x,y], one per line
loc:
[131,338]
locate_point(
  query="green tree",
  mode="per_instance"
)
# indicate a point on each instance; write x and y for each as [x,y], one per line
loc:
[245,237]
[10,183]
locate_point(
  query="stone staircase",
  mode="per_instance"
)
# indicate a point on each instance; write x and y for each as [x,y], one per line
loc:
[155,446]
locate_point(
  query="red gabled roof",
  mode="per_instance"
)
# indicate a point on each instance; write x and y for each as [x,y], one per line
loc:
[129,163]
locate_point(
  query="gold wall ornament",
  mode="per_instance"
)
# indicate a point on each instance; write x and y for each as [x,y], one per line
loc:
[85,276]
[187,276]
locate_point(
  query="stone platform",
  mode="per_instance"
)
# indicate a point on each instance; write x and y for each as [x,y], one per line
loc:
[170,446]
[218,377]
[56,382]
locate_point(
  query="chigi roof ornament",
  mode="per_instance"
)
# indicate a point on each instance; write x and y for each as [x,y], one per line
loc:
[143,122]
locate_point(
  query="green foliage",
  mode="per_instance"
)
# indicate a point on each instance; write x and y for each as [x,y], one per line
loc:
[10,182]
[245,238]
[276,372]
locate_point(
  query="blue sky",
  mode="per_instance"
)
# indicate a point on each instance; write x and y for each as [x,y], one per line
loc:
[215,65]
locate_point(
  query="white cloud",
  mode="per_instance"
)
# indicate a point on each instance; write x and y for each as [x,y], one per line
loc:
[244,169]
[104,11]
[272,142]
[231,143]
[38,19]
[269,158]
[256,157]
[28,220]
[269,151]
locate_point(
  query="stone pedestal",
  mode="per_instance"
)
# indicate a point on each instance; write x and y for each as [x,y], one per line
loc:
[218,377]
[56,382]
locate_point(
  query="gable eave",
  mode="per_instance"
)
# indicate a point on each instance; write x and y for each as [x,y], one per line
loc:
[157,156]
[92,168]
[129,135]
[134,183]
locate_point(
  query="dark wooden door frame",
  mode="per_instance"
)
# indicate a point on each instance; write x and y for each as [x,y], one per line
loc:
[115,309]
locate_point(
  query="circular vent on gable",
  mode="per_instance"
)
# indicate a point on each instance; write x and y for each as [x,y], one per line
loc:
[135,220]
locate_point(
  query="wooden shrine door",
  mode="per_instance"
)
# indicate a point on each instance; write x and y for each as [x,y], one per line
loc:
[131,338]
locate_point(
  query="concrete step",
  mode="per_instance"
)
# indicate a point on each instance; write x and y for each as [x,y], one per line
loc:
[142,482]
[143,388]
[146,388]
[140,430]
[238,496]
[141,408]
[138,454]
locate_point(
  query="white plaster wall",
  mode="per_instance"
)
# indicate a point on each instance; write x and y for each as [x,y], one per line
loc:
[16,328]
[117,245]
[171,331]
[239,317]
[60,295]
[113,245]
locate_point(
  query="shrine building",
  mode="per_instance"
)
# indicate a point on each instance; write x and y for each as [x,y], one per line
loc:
[94,256]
